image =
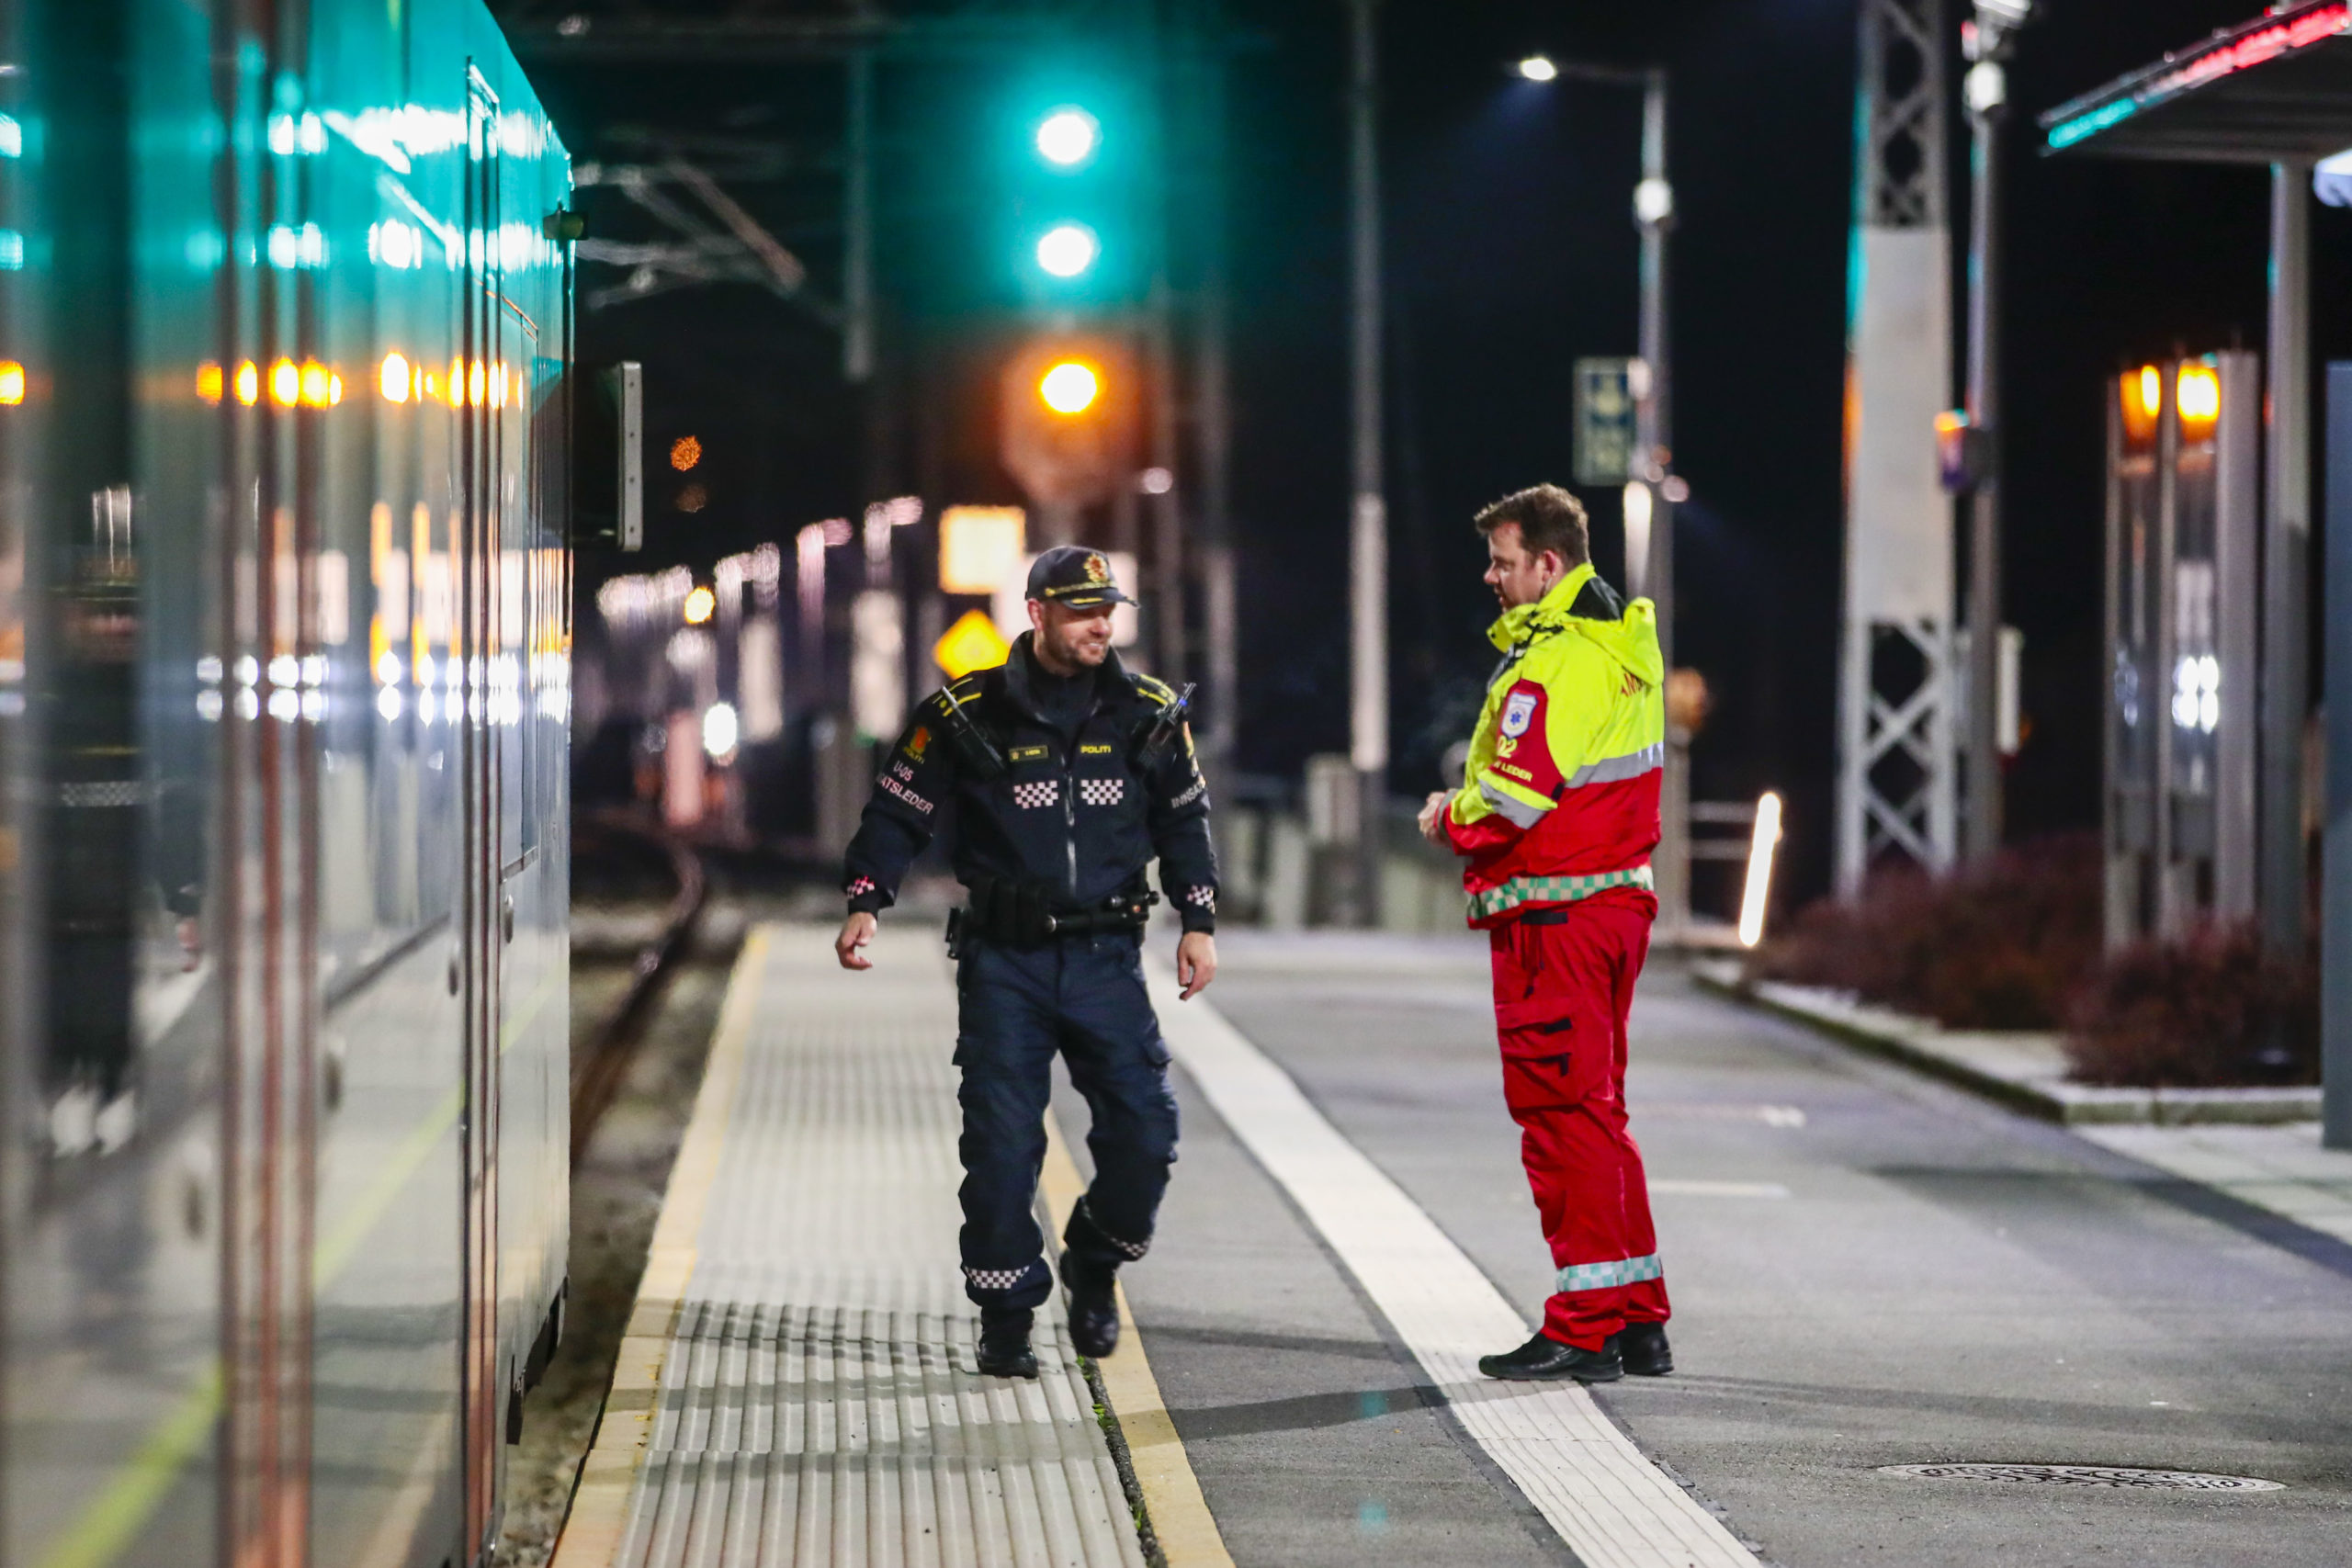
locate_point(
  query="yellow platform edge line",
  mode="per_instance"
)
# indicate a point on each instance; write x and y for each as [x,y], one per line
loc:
[599,1518]
[1171,1493]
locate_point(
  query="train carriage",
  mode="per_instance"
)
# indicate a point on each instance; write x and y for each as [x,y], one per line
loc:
[284,316]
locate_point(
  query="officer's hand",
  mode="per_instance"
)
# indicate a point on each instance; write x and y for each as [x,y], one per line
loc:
[856,932]
[1196,963]
[1433,820]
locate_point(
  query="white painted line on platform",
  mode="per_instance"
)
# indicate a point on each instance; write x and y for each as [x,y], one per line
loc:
[1668,1188]
[1611,1506]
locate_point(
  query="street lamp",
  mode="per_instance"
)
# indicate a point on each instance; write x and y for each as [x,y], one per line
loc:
[1987,42]
[1651,512]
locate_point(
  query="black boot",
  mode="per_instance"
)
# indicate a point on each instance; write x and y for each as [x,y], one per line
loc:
[1093,1306]
[1004,1343]
[1544,1359]
[1644,1349]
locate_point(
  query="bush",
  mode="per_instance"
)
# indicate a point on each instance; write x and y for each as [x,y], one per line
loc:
[2004,947]
[2206,1011]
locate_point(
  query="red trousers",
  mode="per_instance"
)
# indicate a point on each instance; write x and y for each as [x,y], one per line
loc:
[1562,991]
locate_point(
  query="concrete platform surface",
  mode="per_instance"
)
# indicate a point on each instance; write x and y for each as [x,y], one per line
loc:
[1869,1269]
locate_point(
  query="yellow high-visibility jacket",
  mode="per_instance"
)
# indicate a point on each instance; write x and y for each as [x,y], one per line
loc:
[1560,798]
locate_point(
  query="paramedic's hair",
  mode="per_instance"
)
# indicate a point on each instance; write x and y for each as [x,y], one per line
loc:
[1549,518]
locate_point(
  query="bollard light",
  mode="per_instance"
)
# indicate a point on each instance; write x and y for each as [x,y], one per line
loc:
[1759,870]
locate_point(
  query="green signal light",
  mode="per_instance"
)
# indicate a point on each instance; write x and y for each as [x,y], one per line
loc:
[1069,137]
[1065,250]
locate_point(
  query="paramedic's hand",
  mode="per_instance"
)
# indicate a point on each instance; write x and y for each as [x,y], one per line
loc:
[856,932]
[1433,820]
[1196,963]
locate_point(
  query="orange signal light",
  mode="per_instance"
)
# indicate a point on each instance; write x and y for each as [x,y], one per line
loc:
[685,453]
[1071,387]
[396,379]
[209,382]
[286,383]
[12,383]
[248,383]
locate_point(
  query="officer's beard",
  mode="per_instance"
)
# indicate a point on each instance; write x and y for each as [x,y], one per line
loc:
[1066,648]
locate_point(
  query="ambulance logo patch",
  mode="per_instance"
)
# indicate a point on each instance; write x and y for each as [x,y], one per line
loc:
[1519,711]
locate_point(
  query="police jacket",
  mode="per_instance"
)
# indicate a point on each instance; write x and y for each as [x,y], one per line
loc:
[1080,814]
[1560,801]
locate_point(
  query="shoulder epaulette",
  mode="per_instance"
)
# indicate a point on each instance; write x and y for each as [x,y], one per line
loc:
[966,689]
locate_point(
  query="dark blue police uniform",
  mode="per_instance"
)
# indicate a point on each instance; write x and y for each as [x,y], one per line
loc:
[1060,792]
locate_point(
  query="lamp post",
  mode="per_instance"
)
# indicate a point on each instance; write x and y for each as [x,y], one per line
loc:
[1654,446]
[1985,42]
[1368,533]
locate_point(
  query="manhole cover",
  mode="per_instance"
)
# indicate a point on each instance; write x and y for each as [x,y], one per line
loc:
[2084,1476]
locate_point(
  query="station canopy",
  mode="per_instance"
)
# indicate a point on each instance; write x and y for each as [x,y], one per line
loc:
[2277,89]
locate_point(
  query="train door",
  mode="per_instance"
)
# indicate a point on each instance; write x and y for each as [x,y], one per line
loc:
[483,465]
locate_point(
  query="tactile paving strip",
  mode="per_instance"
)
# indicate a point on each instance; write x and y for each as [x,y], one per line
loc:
[818,1400]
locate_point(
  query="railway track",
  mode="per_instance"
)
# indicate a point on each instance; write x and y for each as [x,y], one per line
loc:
[601,1066]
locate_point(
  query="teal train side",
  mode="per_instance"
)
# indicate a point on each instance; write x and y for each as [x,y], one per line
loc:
[285,642]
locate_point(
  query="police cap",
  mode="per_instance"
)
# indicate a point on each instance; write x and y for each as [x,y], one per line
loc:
[1074,576]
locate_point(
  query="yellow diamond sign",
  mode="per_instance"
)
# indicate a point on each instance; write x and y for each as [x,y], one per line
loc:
[972,643]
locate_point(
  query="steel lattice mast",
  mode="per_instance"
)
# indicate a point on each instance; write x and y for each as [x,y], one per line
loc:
[1896,766]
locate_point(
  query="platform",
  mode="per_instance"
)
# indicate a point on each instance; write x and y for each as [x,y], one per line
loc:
[797,1387]
[1869,1270]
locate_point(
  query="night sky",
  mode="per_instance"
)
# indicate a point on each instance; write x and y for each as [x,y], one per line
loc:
[1510,251]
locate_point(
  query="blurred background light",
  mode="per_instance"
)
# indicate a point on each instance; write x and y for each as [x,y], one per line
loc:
[2200,394]
[718,725]
[978,546]
[1538,68]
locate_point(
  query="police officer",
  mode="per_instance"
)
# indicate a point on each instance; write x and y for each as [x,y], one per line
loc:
[1066,774]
